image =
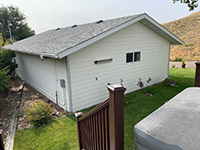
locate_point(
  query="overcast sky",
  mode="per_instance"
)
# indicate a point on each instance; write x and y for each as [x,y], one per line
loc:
[43,15]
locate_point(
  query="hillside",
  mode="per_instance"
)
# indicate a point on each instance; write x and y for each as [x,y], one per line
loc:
[188,30]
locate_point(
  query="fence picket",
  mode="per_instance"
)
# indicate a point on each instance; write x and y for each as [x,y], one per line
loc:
[95,132]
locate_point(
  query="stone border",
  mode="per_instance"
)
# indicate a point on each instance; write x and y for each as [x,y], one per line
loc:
[13,125]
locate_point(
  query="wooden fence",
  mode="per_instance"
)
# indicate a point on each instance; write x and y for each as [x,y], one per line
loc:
[197,75]
[103,127]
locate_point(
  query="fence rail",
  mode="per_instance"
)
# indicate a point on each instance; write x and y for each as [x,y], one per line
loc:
[103,127]
[1,140]
[197,75]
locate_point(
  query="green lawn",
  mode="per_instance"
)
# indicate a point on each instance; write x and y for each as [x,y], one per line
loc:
[61,133]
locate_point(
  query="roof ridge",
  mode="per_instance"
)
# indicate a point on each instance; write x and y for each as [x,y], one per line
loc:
[62,42]
[110,19]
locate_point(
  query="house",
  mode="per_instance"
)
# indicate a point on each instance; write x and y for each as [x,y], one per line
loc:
[78,62]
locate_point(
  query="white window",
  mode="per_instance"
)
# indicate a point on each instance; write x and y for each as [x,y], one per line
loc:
[133,56]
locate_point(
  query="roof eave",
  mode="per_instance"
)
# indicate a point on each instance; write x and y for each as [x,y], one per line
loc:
[99,37]
[32,53]
[174,40]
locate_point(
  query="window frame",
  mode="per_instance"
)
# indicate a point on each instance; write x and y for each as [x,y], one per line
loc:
[133,59]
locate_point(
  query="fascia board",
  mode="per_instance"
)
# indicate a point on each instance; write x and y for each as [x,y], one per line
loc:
[103,35]
[164,30]
[97,38]
[32,53]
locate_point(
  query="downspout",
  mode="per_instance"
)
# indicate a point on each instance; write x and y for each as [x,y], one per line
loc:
[69,99]
[168,60]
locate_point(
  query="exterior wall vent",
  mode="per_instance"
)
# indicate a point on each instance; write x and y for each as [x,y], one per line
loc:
[100,21]
[74,26]
[103,61]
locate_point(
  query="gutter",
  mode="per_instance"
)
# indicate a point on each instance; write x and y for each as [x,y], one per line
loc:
[39,54]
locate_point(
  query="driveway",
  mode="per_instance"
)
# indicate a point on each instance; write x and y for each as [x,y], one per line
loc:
[189,64]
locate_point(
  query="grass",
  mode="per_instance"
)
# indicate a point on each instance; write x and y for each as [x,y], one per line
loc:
[58,134]
[61,133]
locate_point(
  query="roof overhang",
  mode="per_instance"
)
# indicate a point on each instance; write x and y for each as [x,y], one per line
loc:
[37,54]
[144,19]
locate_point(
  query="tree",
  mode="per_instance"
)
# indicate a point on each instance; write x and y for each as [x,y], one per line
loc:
[7,67]
[192,4]
[12,18]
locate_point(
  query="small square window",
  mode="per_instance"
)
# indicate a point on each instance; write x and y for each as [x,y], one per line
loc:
[129,57]
[136,56]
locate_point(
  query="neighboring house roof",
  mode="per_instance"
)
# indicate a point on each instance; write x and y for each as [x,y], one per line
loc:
[58,43]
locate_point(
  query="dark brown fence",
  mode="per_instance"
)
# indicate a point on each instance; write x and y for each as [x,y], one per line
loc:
[103,127]
[197,75]
[1,141]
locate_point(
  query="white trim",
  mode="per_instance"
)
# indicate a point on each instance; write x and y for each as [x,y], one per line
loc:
[69,99]
[32,53]
[69,51]
[97,38]
[164,29]
[168,60]
[101,36]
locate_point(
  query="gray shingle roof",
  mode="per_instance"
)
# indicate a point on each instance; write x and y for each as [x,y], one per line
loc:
[53,42]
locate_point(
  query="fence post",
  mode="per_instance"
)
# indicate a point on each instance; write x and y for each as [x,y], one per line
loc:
[116,116]
[197,75]
[78,115]
[1,140]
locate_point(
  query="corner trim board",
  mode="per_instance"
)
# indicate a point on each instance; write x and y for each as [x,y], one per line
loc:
[168,60]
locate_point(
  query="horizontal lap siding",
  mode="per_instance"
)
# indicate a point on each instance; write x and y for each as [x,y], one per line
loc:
[43,75]
[86,91]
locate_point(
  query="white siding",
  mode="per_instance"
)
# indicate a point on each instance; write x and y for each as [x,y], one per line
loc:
[86,91]
[44,75]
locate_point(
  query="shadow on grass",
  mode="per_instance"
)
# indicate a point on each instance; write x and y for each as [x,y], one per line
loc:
[72,117]
[84,111]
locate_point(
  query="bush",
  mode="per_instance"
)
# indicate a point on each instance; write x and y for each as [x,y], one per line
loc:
[7,67]
[169,81]
[6,59]
[38,113]
[4,78]
[178,59]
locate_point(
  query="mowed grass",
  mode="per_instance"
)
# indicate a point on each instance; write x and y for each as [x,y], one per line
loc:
[62,133]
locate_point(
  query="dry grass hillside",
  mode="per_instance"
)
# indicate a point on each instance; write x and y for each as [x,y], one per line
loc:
[188,30]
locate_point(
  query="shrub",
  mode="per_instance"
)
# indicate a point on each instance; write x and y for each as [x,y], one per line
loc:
[38,113]
[4,78]
[141,84]
[7,67]
[6,59]
[178,59]
[169,81]
[189,44]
